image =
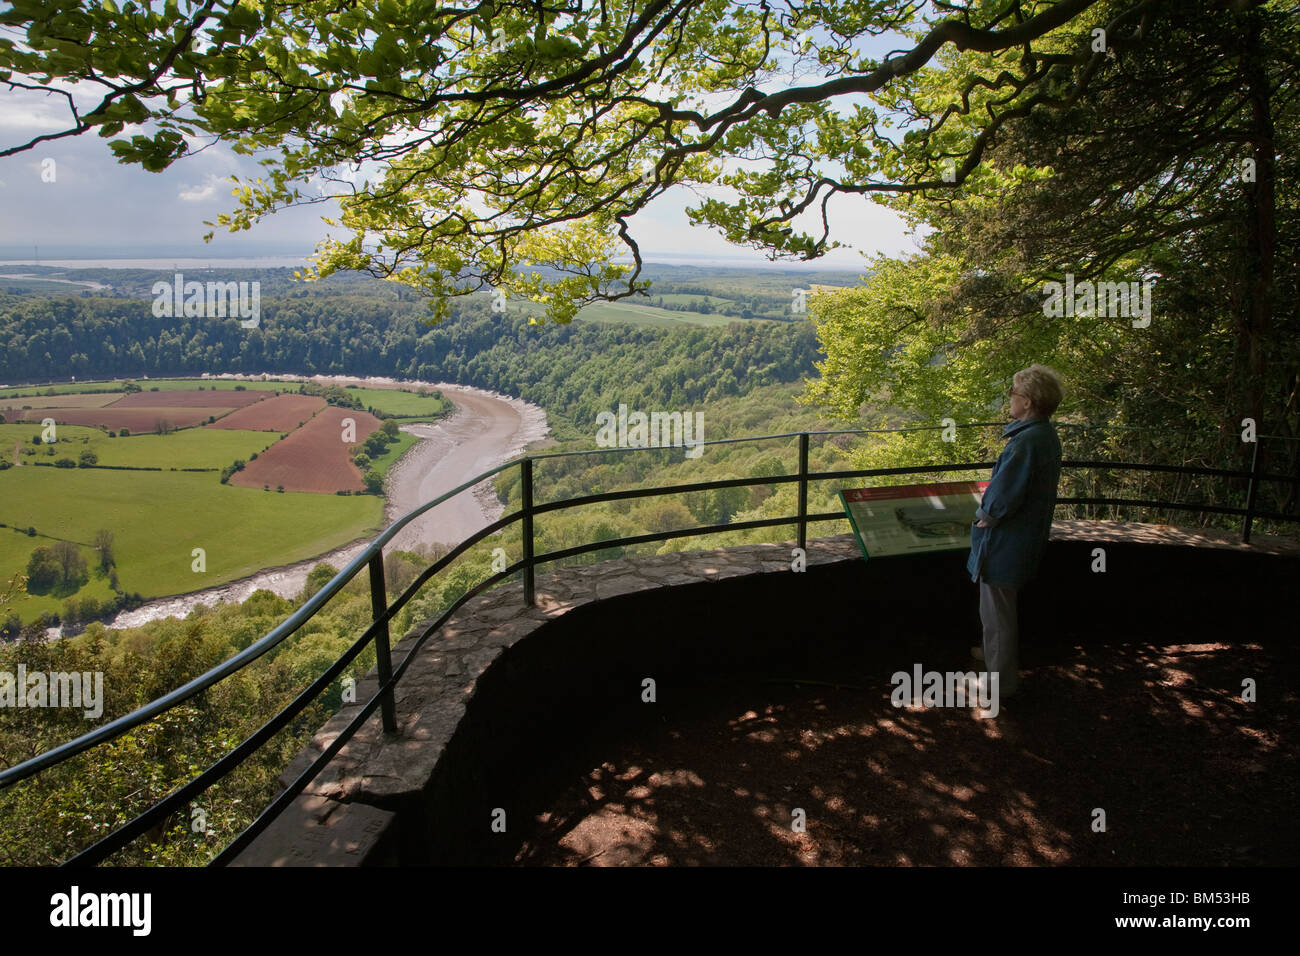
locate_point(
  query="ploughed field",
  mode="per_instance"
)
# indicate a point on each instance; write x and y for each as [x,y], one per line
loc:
[198,483]
[279,413]
[316,457]
[137,412]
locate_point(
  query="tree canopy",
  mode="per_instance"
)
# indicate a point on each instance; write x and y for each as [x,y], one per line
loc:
[465,142]
[1174,170]
[510,145]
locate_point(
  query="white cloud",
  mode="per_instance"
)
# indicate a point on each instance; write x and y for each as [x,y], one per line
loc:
[199,193]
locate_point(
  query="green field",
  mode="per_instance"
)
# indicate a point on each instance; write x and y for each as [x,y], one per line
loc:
[158,518]
[188,448]
[685,298]
[41,286]
[394,452]
[400,404]
[635,312]
[631,314]
[146,384]
[66,388]
[190,384]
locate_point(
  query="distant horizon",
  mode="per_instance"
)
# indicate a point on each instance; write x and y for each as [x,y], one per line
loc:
[145,260]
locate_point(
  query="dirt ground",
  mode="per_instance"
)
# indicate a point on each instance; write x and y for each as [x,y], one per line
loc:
[1154,733]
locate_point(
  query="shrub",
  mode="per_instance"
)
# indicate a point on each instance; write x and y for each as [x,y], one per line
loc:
[317,578]
[125,432]
[87,459]
[43,570]
[65,463]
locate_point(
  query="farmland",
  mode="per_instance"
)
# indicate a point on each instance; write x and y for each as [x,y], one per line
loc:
[197,399]
[158,518]
[314,457]
[149,419]
[396,450]
[282,413]
[634,314]
[65,401]
[139,411]
[399,403]
[195,448]
[162,489]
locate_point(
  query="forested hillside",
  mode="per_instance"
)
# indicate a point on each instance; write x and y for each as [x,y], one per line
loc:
[572,368]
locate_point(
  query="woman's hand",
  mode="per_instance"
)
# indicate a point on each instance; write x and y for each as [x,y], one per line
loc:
[981,523]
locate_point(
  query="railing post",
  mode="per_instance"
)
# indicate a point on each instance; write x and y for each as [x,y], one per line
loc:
[803,492]
[1251,492]
[384,660]
[526,474]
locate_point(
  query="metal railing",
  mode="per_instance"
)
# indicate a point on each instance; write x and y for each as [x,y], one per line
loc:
[383,611]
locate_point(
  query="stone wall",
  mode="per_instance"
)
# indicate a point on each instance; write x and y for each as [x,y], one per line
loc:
[502,686]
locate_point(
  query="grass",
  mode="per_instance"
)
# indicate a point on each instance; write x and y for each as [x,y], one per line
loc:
[158,518]
[221,385]
[41,286]
[65,388]
[146,384]
[683,298]
[395,451]
[629,313]
[187,448]
[15,550]
[400,404]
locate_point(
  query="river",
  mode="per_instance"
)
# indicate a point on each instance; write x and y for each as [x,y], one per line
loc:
[485,430]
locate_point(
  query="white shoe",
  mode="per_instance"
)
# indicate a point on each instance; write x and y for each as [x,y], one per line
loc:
[977,653]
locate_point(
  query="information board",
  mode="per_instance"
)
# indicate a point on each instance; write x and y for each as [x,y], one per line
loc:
[912,519]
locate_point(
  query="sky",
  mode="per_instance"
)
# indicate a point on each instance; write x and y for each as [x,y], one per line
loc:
[69,198]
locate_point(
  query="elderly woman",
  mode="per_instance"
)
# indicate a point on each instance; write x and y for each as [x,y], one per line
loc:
[1015,518]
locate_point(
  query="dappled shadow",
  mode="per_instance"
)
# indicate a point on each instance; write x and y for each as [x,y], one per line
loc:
[1152,731]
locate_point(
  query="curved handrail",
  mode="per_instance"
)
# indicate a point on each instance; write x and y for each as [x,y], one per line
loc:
[384,610]
[121,725]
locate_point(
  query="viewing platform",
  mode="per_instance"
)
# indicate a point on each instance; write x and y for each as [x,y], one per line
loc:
[528,734]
